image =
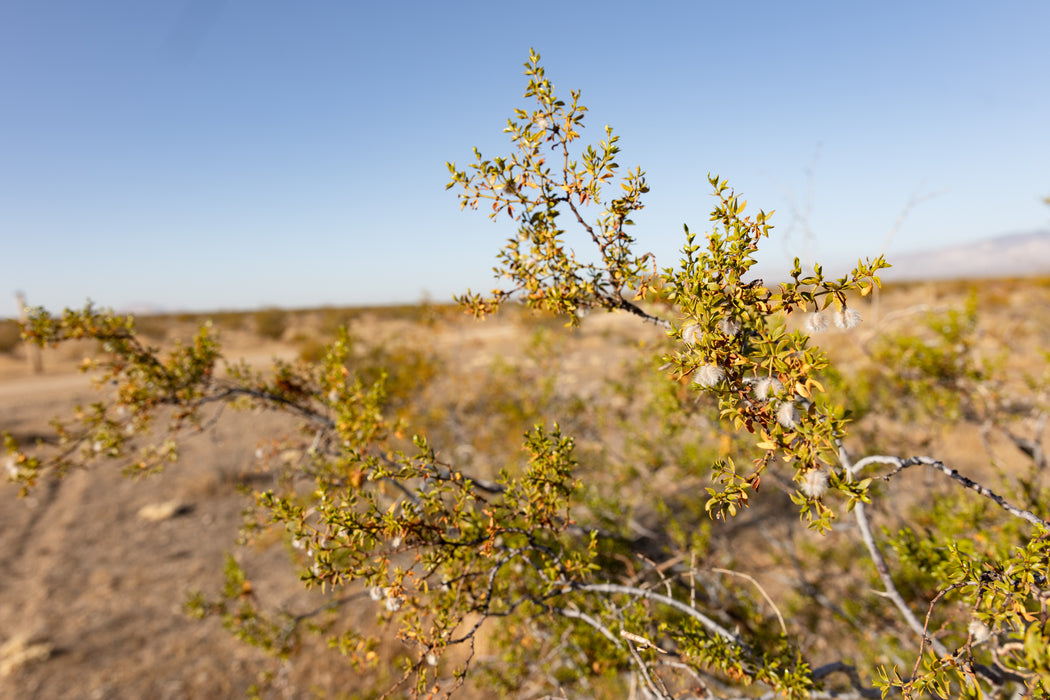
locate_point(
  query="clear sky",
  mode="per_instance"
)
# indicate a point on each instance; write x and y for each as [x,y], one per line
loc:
[205,154]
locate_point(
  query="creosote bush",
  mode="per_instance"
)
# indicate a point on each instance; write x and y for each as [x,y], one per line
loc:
[271,322]
[539,559]
[10,337]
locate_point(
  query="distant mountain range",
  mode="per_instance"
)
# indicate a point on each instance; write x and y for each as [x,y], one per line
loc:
[1014,255]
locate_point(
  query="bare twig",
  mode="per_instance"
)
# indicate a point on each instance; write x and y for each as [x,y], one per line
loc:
[890,588]
[641,641]
[902,464]
[593,622]
[783,627]
[633,591]
[854,678]
[642,666]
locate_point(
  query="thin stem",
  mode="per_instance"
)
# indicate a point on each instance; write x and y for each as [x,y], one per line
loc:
[783,627]
[704,620]
[902,464]
[890,588]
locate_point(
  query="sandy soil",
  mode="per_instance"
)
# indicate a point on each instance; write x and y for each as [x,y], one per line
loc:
[91,591]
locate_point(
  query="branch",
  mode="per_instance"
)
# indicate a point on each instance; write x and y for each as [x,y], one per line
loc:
[854,678]
[783,628]
[891,592]
[902,464]
[624,305]
[883,570]
[704,620]
[593,622]
[643,668]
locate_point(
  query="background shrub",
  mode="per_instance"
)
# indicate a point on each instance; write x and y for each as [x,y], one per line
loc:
[10,335]
[271,322]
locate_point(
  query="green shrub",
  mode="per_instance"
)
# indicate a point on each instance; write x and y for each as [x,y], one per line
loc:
[10,335]
[271,322]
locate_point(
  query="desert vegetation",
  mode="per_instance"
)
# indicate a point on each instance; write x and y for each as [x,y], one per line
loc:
[630,478]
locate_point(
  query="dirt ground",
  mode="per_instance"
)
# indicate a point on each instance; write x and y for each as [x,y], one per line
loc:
[92,582]
[95,570]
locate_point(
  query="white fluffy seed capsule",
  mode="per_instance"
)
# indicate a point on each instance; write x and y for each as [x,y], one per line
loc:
[729,327]
[979,631]
[787,414]
[814,483]
[847,318]
[767,387]
[817,323]
[708,376]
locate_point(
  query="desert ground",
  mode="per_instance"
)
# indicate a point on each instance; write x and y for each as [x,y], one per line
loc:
[95,569]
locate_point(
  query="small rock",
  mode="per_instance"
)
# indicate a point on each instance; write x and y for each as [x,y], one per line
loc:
[156,512]
[19,651]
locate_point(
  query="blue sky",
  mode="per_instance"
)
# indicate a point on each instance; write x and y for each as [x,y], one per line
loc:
[201,154]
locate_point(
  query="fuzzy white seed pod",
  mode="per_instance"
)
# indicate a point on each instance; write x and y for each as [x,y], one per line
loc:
[729,327]
[375,593]
[817,322]
[814,482]
[768,387]
[11,467]
[396,542]
[97,446]
[394,604]
[848,318]
[708,376]
[541,121]
[690,334]
[787,414]
[432,659]
[979,631]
